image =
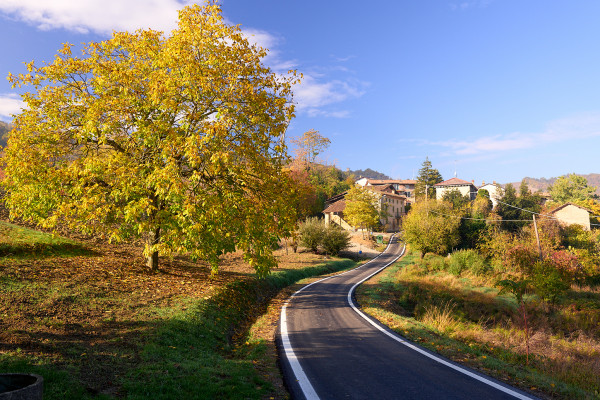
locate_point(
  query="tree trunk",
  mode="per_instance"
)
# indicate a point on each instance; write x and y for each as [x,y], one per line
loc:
[152,260]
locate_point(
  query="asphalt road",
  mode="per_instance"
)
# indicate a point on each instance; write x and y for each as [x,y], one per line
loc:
[330,351]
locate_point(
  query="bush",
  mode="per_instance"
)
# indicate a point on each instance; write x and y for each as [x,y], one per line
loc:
[548,282]
[335,240]
[312,232]
[463,260]
[435,262]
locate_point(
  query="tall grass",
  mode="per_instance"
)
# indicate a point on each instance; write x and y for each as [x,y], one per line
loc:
[465,319]
[440,317]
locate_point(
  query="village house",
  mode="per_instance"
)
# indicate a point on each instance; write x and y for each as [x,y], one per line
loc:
[569,214]
[495,190]
[405,187]
[390,203]
[465,188]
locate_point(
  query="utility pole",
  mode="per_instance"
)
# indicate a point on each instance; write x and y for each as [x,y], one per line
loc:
[537,237]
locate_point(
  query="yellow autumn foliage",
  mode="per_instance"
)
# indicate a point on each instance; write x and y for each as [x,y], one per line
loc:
[174,138]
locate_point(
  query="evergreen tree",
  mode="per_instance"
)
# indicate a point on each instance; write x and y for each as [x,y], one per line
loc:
[517,210]
[428,176]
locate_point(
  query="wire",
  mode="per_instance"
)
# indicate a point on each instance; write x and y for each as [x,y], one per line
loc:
[507,220]
[482,219]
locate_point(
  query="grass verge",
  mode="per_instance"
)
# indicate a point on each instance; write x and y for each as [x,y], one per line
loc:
[208,351]
[21,242]
[472,325]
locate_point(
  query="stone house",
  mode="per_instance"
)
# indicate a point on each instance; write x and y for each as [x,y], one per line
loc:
[569,214]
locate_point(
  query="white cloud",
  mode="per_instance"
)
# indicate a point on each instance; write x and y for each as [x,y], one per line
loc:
[577,127]
[100,16]
[313,93]
[315,112]
[105,16]
[9,104]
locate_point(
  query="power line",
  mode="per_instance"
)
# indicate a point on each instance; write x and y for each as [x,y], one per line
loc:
[481,219]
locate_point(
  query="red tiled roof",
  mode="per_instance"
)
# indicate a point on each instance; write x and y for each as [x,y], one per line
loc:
[396,196]
[380,188]
[338,206]
[391,181]
[454,181]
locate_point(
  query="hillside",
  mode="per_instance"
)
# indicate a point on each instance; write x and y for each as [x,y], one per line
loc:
[368,173]
[542,184]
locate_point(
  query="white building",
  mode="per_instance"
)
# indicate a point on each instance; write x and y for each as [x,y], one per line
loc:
[496,192]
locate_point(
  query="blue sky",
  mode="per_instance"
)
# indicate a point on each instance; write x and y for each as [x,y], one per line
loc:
[494,90]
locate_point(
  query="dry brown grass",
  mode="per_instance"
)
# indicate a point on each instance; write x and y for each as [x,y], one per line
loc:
[564,342]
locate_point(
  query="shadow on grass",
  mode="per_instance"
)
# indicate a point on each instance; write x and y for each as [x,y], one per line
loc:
[42,250]
[194,353]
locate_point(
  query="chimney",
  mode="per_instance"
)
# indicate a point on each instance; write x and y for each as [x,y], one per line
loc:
[494,182]
[482,183]
[473,181]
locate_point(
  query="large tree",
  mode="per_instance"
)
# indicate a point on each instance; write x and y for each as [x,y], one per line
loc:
[309,146]
[432,226]
[571,188]
[517,211]
[361,208]
[175,138]
[428,176]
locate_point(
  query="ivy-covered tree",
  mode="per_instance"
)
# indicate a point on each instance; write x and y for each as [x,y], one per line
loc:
[456,198]
[428,176]
[174,138]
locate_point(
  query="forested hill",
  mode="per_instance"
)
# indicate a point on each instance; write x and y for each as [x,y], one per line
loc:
[368,173]
[542,184]
[4,129]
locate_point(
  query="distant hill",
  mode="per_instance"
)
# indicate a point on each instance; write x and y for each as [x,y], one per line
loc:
[368,173]
[4,129]
[542,184]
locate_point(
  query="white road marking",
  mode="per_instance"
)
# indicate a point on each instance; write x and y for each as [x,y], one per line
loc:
[426,353]
[303,381]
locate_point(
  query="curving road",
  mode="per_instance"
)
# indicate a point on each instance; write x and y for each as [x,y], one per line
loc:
[330,350]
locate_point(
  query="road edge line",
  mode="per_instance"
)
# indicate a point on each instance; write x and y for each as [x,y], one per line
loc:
[434,357]
[305,386]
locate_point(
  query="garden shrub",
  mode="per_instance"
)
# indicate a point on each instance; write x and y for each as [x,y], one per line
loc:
[437,263]
[433,262]
[335,239]
[480,266]
[520,258]
[311,233]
